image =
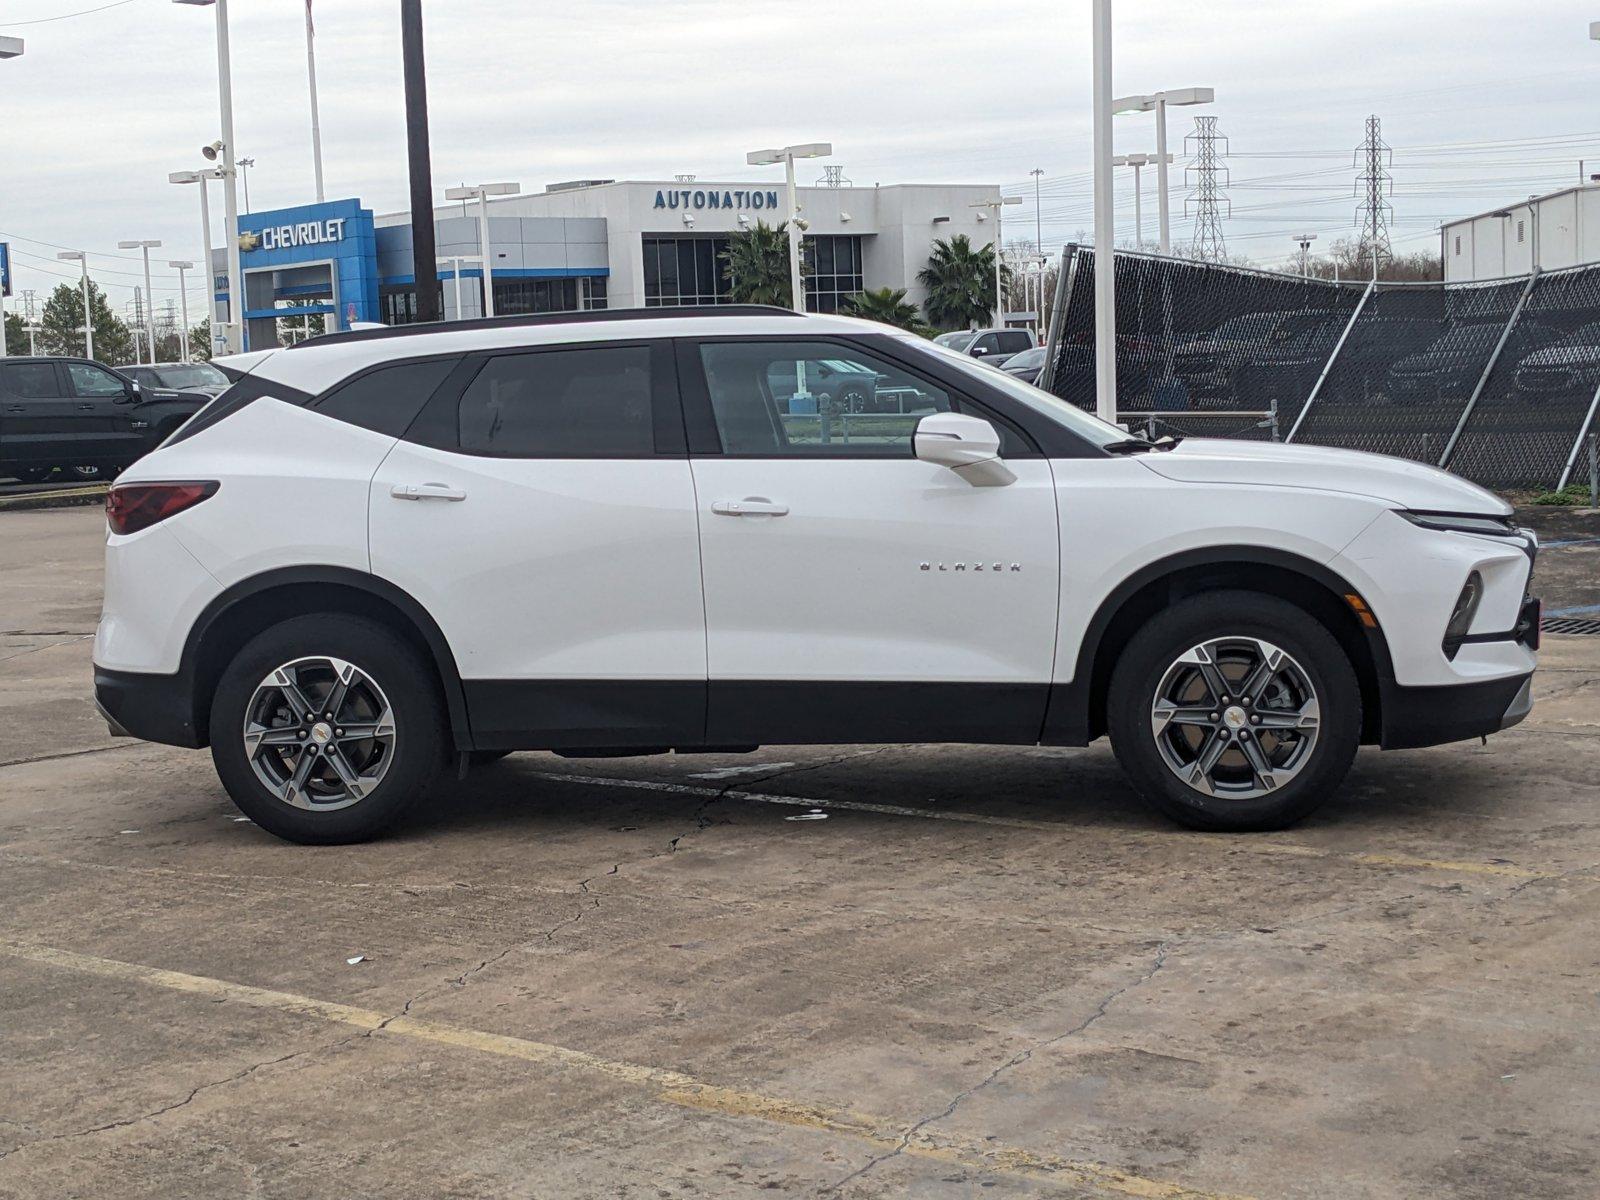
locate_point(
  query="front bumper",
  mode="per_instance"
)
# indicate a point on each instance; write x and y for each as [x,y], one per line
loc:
[156,708]
[1431,716]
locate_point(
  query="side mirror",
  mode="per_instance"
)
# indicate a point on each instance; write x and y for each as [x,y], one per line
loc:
[969,446]
[979,351]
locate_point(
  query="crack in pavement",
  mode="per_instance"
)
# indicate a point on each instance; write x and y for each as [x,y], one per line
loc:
[125,1122]
[47,646]
[1014,1061]
[38,758]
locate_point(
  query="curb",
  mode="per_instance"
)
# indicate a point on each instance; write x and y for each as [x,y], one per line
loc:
[64,498]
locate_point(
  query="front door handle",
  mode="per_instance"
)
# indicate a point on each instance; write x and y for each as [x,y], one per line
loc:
[85,408]
[750,506]
[426,491]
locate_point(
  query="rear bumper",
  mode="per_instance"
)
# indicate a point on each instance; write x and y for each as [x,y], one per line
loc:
[1431,716]
[156,708]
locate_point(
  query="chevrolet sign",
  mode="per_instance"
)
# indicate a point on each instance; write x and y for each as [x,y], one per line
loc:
[287,237]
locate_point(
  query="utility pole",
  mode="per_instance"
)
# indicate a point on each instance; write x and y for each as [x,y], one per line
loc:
[1038,220]
[1207,194]
[1305,240]
[1374,185]
[424,258]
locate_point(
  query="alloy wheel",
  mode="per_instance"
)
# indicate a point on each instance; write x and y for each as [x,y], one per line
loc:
[319,733]
[1235,717]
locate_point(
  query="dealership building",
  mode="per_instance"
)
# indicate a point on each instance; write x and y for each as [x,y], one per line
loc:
[586,245]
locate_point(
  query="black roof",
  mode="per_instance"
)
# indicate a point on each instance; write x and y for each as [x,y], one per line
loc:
[561,318]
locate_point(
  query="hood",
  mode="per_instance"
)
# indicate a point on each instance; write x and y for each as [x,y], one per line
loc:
[1273,464]
[1563,356]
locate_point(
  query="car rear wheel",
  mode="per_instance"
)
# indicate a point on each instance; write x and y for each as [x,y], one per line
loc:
[326,728]
[1234,711]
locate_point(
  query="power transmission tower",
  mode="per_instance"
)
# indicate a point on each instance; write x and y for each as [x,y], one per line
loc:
[1374,186]
[833,176]
[1207,180]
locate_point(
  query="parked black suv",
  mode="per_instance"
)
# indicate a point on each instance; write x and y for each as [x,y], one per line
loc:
[83,417]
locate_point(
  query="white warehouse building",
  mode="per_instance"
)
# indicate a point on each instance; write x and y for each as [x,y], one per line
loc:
[1559,230]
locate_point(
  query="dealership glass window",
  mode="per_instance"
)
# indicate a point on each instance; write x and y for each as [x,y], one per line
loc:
[399,305]
[581,403]
[685,270]
[814,398]
[834,261]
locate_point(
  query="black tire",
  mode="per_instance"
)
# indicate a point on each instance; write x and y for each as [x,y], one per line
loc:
[1156,648]
[418,746]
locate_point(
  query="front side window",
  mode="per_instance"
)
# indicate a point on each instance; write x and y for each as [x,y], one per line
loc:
[579,403]
[814,398]
[34,381]
[93,381]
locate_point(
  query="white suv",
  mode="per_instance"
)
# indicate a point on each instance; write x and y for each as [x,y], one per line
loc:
[634,532]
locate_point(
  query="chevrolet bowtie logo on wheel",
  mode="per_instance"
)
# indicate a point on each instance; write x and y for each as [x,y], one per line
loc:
[249,240]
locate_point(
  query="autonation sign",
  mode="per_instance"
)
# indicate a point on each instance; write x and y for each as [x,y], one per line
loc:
[715,198]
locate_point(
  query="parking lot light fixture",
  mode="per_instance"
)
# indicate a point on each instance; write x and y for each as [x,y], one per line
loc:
[233,329]
[149,298]
[786,155]
[79,256]
[481,193]
[181,265]
[455,261]
[999,248]
[203,178]
[1157,103]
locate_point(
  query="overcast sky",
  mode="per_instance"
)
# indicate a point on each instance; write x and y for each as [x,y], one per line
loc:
[1483,101]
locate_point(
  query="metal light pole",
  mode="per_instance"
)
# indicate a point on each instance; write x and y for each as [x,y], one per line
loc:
[203,178]
[1305,240]
[182,265]
[80,256]
[244,165]
[455,261]
[233,329]
[316,120]
[1038,219]
[1157,103]
[481,193]
[10,47]
[1105,298]
[787,155]
[995,207]
[419,160]
[149,295]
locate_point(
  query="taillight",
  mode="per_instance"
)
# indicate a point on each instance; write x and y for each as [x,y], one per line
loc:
[131,507]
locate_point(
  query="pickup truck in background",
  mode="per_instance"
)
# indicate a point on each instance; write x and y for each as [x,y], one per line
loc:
[81,417]
[994,346]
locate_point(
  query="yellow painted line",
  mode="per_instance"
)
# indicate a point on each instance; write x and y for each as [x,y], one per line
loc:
[672,1087]
[1249,843]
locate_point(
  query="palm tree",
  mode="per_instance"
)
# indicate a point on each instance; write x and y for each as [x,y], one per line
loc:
[888,306]
[758,265]
[960,283]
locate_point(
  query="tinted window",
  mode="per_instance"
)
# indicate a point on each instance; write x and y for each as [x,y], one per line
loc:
[987,342]
[29,379]
[814,398]
[1010,343]
[388,399]
[90,380]
[584,403]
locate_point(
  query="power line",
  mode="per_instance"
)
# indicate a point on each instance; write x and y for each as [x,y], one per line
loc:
[64,16]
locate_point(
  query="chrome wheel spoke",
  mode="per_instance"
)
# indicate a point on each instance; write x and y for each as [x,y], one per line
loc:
[344,675]
[1256,682]
[1260,767]
[294,791]
[1307,716]
[354,784]
[289,686]
[257,736]
[1213,748]
[1164,714]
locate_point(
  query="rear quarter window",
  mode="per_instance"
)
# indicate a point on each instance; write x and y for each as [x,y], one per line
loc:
[385,400]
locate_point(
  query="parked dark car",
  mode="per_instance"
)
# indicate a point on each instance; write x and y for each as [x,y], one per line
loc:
[1210,363]
[1563,368]
[83,417]
[1451,367]
[1026,366]
[180,377]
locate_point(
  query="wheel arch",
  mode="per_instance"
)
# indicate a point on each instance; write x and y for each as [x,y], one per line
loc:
[1077,713]
[254,604]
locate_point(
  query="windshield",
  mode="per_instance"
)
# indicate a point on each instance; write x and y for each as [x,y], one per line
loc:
[959,340]
[1027,358]
[193,375]
[1091,428]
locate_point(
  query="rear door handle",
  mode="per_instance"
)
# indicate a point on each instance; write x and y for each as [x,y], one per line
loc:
[85,408]
[750,506]
[426,491]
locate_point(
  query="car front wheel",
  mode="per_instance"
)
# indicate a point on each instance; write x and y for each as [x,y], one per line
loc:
[1234,710]
[326,728]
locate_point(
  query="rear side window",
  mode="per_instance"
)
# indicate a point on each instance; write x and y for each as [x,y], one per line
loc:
[1011,343]
[31,380]
[388,399]
[249,388]
[580,403]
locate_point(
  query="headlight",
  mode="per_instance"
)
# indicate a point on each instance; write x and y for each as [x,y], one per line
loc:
[1461,523]
[1461,615]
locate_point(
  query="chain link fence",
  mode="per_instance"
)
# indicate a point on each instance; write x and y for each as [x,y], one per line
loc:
[1497,381]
